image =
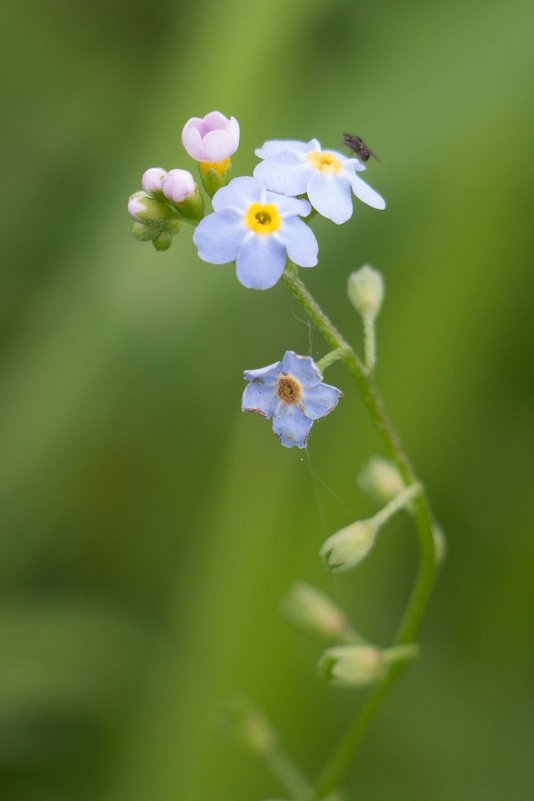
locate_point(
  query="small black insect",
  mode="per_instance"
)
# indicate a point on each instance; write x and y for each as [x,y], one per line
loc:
[358,146]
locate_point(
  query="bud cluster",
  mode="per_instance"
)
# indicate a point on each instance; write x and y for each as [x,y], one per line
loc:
[167,198]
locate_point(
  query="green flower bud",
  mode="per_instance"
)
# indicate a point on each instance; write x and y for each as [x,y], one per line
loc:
[380,479]
[351,665]
[365,288]
[163,241]
[249,726]
[312,610]
[144,232]
[350,545]
[142,207]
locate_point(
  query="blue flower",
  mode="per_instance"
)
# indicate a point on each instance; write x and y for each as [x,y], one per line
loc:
[327,177]
[293,394]
[256,229]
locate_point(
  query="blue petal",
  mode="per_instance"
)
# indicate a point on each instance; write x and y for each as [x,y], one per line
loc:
[291,426]
[218,237]
[260,261]
[261,399]
[288,179]
[289,206]
[275,146]
[265,374]
[367,195]
[320,400]
[239,194]
[330,195]
[300,241]
[302,367]
[354,165]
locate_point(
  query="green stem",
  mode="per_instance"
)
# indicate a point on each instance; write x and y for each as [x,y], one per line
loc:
[330,358]
[288,774]
[397,503]
[339,762]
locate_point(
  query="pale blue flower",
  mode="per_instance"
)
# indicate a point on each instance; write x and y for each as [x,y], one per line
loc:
[292,392]
[328,178]
[257,229]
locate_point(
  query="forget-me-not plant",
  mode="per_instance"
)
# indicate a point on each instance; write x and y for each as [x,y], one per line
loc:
[257,224]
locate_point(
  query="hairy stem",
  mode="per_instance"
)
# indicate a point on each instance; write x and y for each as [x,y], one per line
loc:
[337,765]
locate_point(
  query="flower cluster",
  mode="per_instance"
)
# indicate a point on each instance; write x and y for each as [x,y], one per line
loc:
[257,224]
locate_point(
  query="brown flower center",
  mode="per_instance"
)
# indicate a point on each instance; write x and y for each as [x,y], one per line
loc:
[289,389]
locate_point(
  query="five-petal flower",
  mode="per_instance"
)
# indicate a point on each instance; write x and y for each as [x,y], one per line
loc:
[256,229]
[292,392]
[328,178]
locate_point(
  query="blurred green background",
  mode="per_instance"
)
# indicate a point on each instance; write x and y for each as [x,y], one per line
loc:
[148,528]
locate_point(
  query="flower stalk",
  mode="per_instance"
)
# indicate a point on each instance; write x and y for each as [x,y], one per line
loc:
[337,765]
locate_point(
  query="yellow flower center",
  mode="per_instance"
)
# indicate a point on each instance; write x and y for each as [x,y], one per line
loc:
[219,167]
[324,162]
[263,218]
[289,389]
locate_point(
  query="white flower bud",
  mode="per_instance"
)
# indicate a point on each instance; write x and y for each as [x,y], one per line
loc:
[381,479]
[178,185]
[142,207]
[152,180]
[365,288]
[351,665]
[350,545]
[310,609]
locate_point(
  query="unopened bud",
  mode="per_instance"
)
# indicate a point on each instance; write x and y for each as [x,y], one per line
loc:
[215,174]
[381,479]
[365,288]
[163,241]
[351,665]
[152,180]
[312,610]
[143,232]
[142,207]
[178,184]
[350,545]
[249,726]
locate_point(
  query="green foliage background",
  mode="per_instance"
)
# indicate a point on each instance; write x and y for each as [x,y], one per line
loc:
[148,528]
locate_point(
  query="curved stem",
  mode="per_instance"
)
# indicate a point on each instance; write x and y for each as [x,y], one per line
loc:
[339,762]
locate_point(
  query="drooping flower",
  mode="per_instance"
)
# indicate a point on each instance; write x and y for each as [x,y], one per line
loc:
[212,138]
[256,229]
[328,178]
[292,392]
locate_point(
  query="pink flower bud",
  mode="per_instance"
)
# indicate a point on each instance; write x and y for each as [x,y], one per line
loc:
[153,178]
[178,185]
[136,204]
[212,138]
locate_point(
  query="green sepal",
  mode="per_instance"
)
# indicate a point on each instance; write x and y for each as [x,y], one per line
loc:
[144,232]
[163,241]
